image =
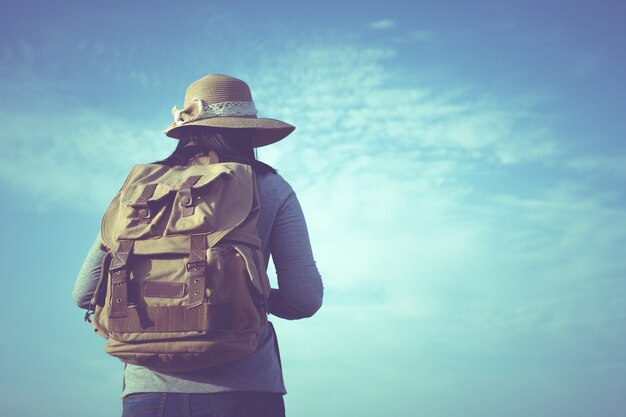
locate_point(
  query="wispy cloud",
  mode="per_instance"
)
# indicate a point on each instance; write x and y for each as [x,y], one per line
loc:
[78,158]
[357,103]
[422,35]
[384,24]
[600,165]
[416,36]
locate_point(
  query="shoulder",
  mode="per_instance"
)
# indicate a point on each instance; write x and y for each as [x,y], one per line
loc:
[273,185]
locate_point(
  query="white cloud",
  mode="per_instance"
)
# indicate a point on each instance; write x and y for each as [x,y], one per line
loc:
[77,159]
[418,36]
[600,166]
[421,35]
[343,97]
[384,24]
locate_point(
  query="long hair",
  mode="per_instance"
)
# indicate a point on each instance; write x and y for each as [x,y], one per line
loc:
[230,145]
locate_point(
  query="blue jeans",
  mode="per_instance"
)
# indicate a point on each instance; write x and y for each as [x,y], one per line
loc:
[223,404]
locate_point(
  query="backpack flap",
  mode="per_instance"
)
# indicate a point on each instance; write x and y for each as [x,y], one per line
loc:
[160,207]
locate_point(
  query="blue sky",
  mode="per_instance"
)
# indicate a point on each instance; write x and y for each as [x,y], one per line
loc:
[461,167]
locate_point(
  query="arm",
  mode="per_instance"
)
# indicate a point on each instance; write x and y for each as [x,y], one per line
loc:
[89,274]
[300,289]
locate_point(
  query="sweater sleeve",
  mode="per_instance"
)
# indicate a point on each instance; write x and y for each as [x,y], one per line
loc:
[89,274]
[300,288]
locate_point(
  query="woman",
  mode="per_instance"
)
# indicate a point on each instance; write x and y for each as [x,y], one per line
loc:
[219,124]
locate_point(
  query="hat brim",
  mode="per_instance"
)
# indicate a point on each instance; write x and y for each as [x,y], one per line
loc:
[268,131]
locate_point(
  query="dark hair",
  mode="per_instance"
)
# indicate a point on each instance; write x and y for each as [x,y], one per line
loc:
[230,145]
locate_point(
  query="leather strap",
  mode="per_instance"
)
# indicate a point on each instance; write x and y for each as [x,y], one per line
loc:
[119,279]
[186,199]
[141,205]
[99,296]
[196,268]
[162,319]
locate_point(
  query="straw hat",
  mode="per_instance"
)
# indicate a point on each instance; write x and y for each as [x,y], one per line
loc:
[219,100]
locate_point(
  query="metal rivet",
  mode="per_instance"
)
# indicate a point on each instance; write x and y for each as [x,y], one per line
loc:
[186,200]
[196,280]
[196,292]
[143,213]
[119,300]
[119,284]
[118,272]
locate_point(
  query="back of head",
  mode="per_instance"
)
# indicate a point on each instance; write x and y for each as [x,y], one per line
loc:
[230,145]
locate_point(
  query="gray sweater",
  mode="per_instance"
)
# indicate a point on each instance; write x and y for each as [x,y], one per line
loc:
[284,234]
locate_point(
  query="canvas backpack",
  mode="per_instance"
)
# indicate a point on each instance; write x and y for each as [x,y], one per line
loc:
[184,283]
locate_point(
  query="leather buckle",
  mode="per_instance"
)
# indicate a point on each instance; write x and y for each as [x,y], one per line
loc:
[117,268]
[196,266]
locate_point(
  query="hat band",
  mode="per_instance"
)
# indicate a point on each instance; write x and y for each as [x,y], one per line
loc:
[223,109]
